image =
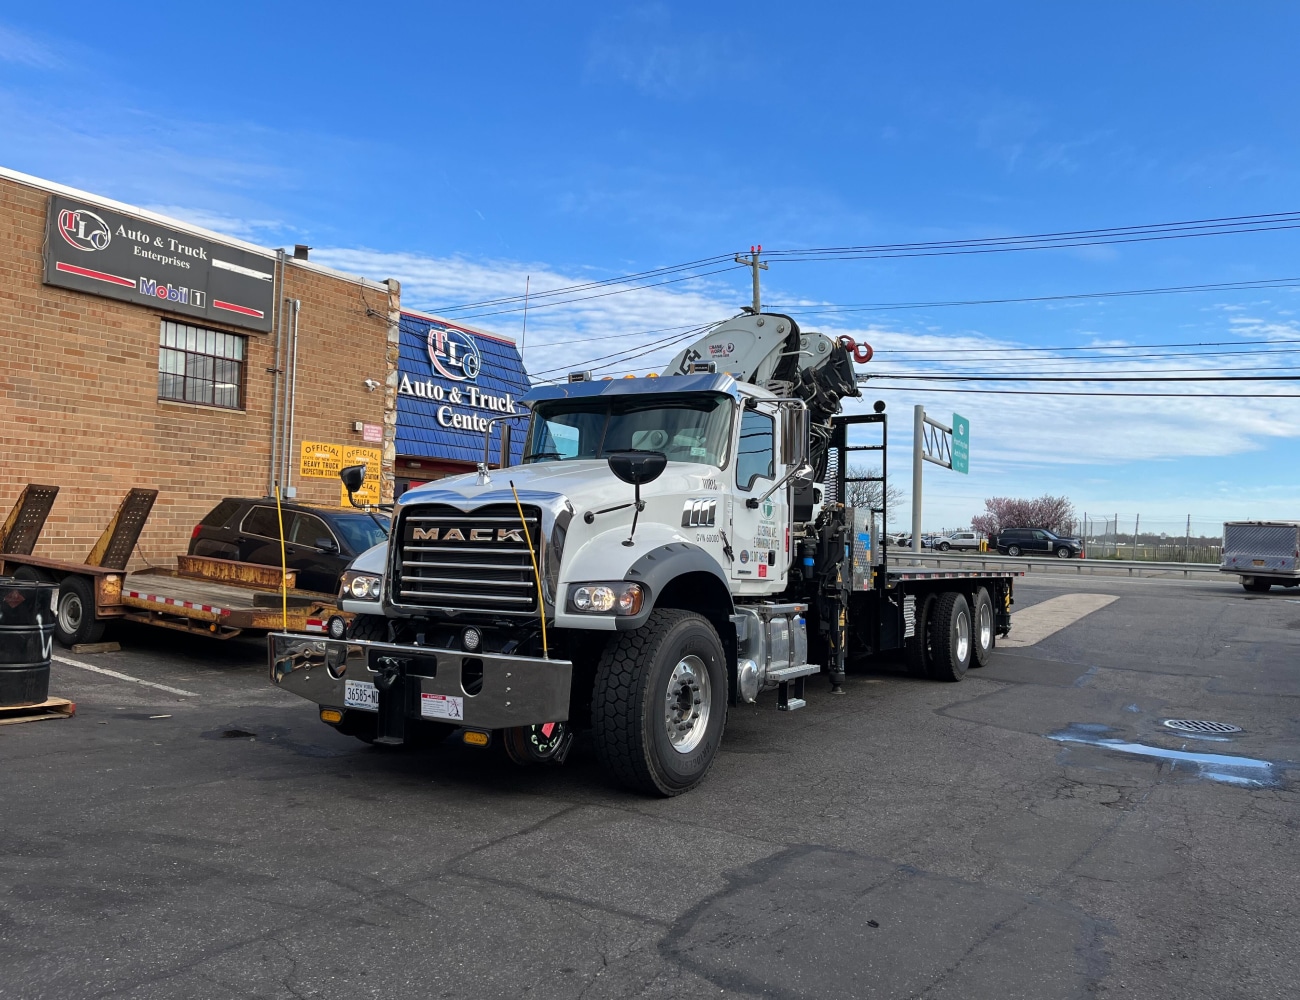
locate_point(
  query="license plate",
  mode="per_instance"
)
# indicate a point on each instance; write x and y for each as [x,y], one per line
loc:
[442,706]
[1257,562]
[362,695]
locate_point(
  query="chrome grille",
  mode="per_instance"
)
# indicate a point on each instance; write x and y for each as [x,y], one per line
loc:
[455,561]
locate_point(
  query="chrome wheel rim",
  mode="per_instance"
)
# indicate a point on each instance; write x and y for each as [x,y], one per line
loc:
[686,704]
[963,637]
[1063,553]
[1013,550]
[986,626]
[70,612]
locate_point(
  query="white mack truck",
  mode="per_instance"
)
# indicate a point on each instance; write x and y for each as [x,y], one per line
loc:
[668,547]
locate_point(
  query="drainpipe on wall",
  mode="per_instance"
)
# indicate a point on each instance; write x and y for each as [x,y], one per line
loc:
[287,462]
[277,369]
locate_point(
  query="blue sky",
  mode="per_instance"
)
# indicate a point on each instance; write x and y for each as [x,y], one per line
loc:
[462,148]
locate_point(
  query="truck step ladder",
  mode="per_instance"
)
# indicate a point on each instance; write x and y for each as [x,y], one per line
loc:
[790,692]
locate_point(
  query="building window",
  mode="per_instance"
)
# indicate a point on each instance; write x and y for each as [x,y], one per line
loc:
[201,366]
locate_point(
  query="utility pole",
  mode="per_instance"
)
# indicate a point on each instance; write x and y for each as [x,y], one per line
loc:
[752,263]
[1187,540]
[1137,521]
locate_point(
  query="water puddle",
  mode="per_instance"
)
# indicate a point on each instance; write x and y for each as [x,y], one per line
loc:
[1245,772]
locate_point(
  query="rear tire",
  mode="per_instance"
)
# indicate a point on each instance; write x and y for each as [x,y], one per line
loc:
[1258,586]
[660,703]
[1013,550]
[951,640]
[917,648]
[75,621]
[982,629]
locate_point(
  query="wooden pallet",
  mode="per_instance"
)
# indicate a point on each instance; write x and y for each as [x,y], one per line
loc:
[51,708]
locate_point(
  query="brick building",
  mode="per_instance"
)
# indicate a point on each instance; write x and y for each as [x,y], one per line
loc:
[138,350]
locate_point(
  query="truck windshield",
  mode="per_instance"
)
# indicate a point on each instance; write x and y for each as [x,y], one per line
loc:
[686,429]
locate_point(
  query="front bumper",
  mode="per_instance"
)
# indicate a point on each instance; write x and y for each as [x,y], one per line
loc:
[418,682]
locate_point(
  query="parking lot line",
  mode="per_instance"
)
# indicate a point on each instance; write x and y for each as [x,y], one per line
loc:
[124,677]
[1036,622]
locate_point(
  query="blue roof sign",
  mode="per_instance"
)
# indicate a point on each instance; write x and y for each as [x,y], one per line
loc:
[451,381]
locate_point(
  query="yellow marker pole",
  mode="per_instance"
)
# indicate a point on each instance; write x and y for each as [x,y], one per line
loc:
[541,603]
[284,568]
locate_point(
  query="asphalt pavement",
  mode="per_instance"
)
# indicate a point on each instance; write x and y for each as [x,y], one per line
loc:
[1034,831]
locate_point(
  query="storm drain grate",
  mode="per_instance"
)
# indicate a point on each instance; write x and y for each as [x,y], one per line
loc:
[1201,726]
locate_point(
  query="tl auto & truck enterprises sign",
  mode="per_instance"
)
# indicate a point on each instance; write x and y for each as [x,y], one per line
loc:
[451,382]
[93,249]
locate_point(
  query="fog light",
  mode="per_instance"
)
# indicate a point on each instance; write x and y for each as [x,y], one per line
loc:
[331,715]
[471,638]
[475,738]
[336,627]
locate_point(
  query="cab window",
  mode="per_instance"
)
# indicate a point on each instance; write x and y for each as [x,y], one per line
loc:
[756,453]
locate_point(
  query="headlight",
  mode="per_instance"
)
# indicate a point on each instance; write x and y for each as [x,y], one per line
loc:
[619,598]
[359,586]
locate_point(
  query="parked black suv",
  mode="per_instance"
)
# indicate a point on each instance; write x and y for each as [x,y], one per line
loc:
[1037,542]
[319,542]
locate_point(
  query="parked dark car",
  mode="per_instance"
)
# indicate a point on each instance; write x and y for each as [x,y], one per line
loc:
[319,542]
[1037,542]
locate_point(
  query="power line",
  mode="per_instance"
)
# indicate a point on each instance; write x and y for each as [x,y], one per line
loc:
[1088,347]
[1134,395]
[1105,378]
[1222,286]
[1224,226]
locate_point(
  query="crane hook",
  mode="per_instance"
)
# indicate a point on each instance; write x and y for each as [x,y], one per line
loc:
[861,352]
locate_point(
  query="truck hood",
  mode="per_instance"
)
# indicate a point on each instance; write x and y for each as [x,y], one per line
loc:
[590,479]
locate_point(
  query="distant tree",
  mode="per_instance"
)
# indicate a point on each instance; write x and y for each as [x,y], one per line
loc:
[868,494]
[1052,513]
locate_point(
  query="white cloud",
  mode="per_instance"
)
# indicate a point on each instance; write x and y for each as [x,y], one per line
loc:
[16,47]
[1018,435]
[640,47]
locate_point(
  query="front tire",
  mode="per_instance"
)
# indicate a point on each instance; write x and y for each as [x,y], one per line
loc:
[944,546]
[660,703]
[369,628]
[75,623]
[1013,550]
[1063,553]
[951,641]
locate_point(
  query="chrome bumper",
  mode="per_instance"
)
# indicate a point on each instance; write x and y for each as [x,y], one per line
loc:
[420,682]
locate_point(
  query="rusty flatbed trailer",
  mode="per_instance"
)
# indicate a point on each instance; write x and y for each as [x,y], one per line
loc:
[220,598]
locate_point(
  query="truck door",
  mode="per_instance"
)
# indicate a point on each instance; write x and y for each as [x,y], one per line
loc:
[758,535]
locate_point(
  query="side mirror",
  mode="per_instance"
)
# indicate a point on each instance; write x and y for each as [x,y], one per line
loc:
[505,444]
[794,436]
[328,544]
[353,477]
[637,467]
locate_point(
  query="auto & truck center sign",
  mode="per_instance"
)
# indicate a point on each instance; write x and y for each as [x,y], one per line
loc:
[92,249]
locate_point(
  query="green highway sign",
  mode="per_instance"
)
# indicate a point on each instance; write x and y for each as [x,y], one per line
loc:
[960,444]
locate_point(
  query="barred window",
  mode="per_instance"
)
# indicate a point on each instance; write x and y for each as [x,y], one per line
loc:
[201,366]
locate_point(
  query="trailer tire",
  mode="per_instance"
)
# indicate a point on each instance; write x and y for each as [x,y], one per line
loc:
[983,630]
[75,620]
[951,639]
[30,574]
[633,709]
[917,648]
[1258,586]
